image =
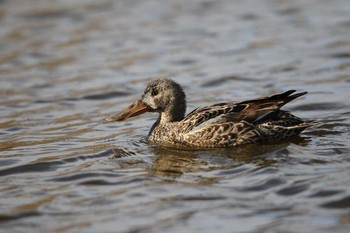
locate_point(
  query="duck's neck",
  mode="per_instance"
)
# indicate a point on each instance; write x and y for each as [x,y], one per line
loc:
[166,117]
[172,114]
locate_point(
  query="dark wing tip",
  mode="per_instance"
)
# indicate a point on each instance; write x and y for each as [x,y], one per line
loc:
[287,93]
[296,95]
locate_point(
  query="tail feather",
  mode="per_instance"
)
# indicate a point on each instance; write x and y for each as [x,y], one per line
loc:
[306,124]
[286,97]
[296,95]
[301,127]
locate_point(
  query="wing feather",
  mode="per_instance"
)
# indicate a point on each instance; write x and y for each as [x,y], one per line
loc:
[250,111]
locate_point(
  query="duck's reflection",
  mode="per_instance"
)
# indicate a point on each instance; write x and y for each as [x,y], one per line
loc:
[173,163]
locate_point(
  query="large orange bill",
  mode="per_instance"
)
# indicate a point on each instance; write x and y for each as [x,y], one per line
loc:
[137,108]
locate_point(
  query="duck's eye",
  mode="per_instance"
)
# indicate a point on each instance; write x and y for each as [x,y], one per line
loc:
[154,92]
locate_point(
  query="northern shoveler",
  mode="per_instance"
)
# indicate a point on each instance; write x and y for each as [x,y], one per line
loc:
[219,125]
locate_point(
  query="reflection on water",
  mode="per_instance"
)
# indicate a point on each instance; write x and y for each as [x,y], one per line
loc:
[177,162]
[66,65]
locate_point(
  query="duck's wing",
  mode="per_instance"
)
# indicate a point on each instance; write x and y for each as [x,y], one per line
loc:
[223,135]
[250,121]
[250,111]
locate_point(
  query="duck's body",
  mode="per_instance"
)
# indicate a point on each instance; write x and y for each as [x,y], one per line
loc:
[219,125]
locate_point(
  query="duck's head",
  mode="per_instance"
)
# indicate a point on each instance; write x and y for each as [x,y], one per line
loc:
[164,96]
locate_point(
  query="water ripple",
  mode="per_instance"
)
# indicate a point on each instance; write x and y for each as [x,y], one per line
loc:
[65,66]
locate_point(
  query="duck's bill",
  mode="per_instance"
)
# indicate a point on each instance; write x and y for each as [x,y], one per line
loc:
[137,108]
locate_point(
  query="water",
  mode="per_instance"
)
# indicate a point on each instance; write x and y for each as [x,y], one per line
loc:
[66,65]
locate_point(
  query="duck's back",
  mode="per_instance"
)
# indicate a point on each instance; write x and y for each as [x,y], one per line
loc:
[235,123]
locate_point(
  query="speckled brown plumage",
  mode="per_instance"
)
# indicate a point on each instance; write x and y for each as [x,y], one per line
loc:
[219,125]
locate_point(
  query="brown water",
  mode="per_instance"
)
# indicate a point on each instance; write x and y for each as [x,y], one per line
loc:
[65,65]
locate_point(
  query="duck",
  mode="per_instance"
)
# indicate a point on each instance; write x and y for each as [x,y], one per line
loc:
[220,125]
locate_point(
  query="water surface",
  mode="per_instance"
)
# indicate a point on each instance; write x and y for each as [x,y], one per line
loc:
[66,65]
